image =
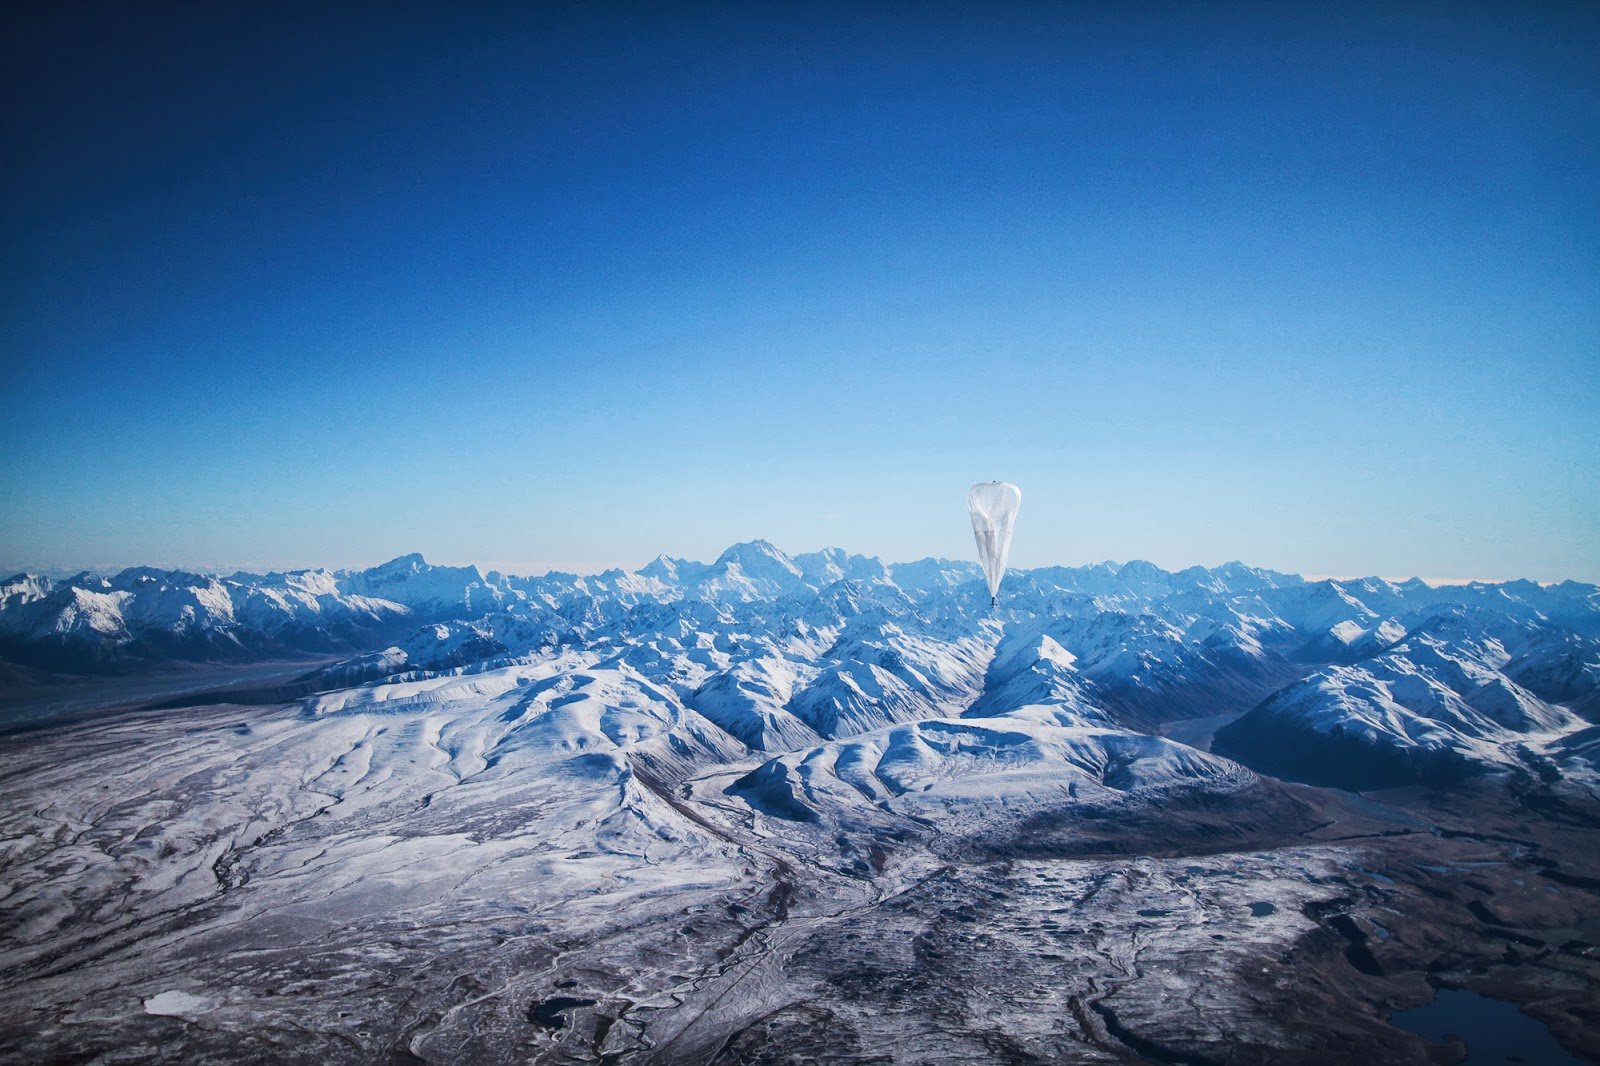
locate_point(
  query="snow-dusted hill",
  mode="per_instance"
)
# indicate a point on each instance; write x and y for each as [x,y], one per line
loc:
[966,775]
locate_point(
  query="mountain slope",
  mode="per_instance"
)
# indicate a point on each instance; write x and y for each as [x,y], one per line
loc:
[1437,706]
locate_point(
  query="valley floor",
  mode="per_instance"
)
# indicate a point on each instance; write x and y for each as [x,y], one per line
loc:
[62,699]
[382,883]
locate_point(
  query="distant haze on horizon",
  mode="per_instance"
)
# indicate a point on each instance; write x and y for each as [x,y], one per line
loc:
[566,288]
[540,569]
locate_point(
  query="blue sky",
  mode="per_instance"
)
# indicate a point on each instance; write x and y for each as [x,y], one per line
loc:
[1316,291]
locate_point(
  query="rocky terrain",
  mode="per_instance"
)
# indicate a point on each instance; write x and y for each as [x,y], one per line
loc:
[775,809]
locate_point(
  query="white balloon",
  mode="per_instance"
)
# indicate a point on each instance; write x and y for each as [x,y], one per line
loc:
[994,506]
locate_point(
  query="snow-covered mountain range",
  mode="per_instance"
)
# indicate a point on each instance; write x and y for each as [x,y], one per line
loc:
[1361,681]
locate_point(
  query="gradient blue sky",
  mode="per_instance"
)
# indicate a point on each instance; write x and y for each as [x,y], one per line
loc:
[1318,291]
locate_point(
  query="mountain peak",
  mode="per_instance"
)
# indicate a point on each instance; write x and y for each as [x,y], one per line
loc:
[755,551]
[662,568]
[412,561]
[759,546]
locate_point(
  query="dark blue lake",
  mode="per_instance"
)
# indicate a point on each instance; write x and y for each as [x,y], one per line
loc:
[1495,1031]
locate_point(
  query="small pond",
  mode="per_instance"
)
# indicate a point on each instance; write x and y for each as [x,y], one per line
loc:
[1495,1031]
[552,1012]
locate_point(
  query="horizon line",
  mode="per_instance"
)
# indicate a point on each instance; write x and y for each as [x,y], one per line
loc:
[532,570]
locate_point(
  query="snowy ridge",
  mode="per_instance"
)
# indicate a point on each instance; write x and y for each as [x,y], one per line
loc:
[767,653]
[1444,702]
[950,771]
[1230,608]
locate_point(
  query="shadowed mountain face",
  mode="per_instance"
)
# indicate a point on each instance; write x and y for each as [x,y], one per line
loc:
[772,808]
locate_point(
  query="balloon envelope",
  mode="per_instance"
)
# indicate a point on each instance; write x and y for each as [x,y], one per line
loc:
[994,506]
